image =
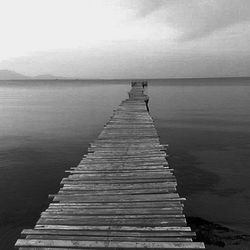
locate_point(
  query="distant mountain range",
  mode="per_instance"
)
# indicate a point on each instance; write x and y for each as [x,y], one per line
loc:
[48,77]
[12,75]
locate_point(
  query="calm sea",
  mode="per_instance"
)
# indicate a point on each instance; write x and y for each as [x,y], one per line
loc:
[46,127]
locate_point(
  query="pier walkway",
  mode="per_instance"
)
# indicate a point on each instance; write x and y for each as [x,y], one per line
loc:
[122,195]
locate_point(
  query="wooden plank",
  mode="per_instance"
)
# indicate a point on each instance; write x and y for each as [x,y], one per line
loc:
[117,198]
[115,222]
[133,186]
[83,216]
[115,228]
[114,211]
[117,205]
[119,171]
[125,176]
[105,244]
[144,174]
[113,233]
[126,181]
[122,166]
[116,192]
[108,238]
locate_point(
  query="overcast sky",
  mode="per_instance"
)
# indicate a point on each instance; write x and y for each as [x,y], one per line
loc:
[126,38]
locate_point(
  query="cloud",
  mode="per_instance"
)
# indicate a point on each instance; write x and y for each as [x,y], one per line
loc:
[141,8]
[213,16]
[158,38]
[134,60]
[146,7]
[196,18]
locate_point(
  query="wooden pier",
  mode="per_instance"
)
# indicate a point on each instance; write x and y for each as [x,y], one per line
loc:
[122,195]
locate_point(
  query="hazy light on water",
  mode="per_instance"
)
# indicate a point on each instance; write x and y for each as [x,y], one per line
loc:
[46,128]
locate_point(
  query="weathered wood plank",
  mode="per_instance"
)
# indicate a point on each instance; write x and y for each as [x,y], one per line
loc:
[128,181]
[119,222]
[128,205]
[138,233]
[108,238]
[104,244]
[114,211]
[133,186]
[115,228]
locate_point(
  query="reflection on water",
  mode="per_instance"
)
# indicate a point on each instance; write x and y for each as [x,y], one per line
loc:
[207,128]
[46,127]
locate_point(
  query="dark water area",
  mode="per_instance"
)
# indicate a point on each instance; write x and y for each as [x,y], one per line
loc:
[46,127]
[208,129]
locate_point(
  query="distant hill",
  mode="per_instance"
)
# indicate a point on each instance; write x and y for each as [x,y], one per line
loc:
[12,75]
[47,77]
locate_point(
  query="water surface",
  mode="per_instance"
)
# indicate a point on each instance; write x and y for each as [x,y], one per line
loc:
[207,125]
[46,127]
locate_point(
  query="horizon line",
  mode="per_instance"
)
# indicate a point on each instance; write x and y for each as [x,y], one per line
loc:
[125,79]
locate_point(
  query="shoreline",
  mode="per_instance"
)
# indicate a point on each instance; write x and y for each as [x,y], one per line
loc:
[216,236]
